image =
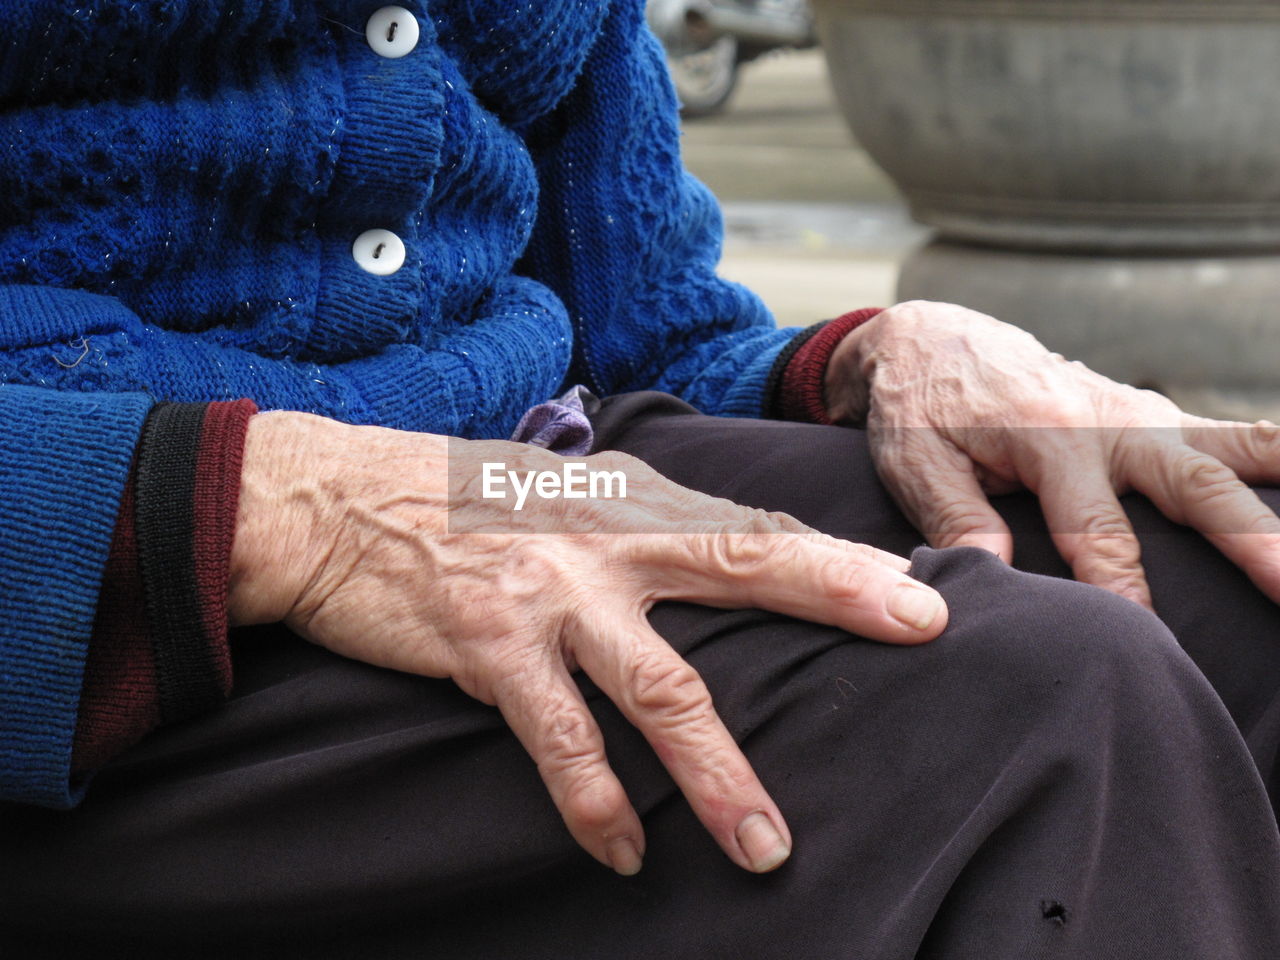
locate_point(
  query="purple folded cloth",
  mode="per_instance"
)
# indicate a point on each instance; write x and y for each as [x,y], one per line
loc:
[560,425]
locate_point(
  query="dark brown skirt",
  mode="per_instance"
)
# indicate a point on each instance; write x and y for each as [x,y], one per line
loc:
[1054,777]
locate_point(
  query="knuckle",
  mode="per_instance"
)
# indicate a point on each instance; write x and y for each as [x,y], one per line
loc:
[1058,425]
[569,742]
[736,552]
[720,772]
[1112,543]
[1267,431]
[729,777]
[593,803]
[1264,437]
[752,521]
[755,538]
[1145,398]
[1206,477]
[859,554]
[958,518]
[669,687]
[525,569]
[774,521]
[848,582]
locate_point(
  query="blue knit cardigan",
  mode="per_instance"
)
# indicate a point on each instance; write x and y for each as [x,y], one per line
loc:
[181,185]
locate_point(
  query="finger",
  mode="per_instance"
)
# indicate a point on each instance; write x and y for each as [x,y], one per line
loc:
[1089,526]
[847,586]
[1196,489]
[1251,451]
[935,485]
[789,524]
[663,696]
[697,513]
[545,710]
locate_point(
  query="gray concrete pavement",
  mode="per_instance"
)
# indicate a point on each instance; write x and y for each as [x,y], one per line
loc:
[811,224]
[782,139]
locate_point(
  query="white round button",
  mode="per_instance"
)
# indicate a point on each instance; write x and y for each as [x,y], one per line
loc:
[378,251]
[392,32]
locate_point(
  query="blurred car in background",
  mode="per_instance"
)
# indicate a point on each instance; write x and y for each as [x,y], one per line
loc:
[708,40]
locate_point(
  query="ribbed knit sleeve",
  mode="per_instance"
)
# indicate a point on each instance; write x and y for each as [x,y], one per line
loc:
[630,241]
[64,462]
[796,383]
[159,650]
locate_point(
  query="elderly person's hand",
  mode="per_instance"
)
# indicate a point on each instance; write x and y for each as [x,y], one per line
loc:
[382,546]
[960,406]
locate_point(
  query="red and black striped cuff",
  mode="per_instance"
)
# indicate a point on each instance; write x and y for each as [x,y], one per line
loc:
[159,649]
[795,386]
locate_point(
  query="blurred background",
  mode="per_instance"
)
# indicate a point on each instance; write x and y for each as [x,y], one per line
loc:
[1104,173]
[812,224]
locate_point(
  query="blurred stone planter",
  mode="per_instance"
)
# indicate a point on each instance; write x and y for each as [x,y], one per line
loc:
[1070,123]
[1112,128]
[1205,330]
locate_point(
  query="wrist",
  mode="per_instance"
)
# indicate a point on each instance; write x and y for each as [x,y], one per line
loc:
[846,380]
[803,393]
[312,495]
[282,513]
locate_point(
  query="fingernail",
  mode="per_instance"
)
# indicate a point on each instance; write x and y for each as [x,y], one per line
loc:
[762,843]
[624,857]
[915,607]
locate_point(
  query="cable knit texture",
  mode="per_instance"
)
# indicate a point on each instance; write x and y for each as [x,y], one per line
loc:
[181,184]
[206,166]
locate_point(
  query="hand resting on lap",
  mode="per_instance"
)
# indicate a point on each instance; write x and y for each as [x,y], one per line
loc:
[960,406]
[379,545]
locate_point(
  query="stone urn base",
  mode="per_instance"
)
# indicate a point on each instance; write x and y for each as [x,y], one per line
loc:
[1085,124]
[1130,149]
[1204,330]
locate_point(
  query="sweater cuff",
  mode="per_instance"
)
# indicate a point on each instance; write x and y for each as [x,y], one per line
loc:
[798,394]
[159,649]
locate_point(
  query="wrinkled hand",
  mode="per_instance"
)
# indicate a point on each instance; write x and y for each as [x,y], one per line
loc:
[379,545]
[959,406]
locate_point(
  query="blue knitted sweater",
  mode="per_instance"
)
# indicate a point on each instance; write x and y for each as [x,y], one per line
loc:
[181,185]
